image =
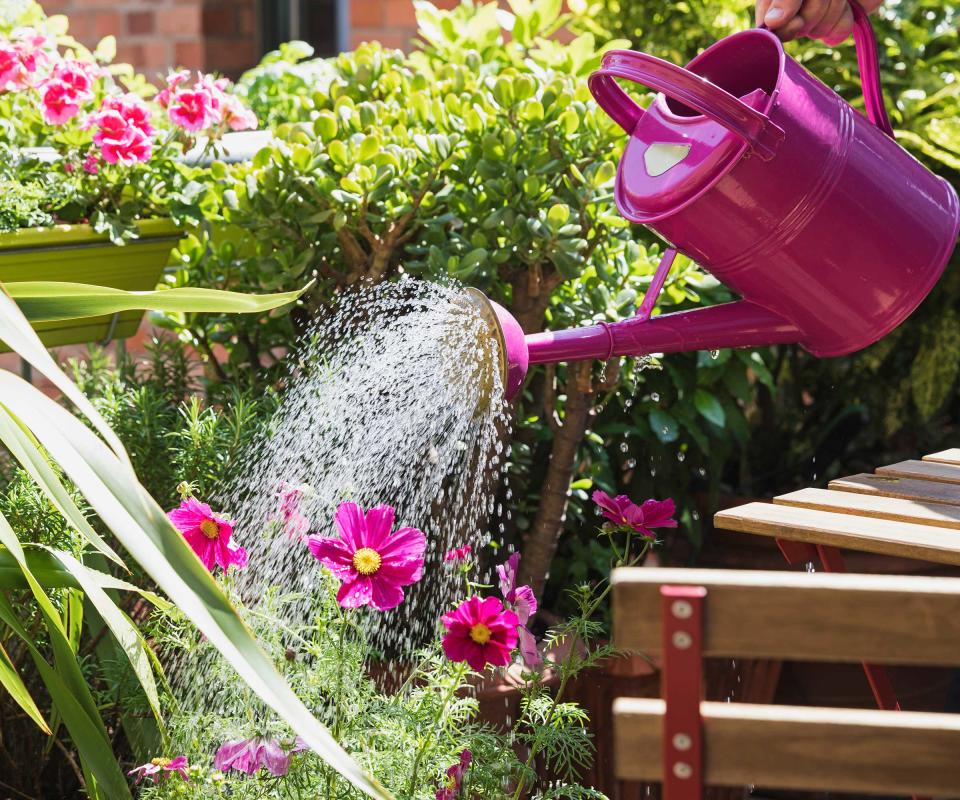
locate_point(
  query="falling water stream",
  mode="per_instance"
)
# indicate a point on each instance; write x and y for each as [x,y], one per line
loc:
[394,397]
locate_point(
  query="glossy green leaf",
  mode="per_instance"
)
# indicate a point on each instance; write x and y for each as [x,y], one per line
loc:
[42,301]
[709,407]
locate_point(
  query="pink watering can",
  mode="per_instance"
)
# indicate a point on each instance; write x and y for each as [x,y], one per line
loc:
[830,231]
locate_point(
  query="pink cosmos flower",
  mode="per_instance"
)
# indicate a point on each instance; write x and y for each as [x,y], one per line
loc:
[295,524]
[208,534]
[624,513]
[458,554]
[252,755]
[454,778]
[372,564]
[480,631]
[59,102]
[156,768]
[524,602]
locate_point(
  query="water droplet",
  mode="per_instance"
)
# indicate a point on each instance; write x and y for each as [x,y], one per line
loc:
[655,397]
[624,447]
[681,456]
[714,354]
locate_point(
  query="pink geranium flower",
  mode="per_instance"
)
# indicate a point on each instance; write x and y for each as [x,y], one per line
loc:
[131,146]
[193,110]
[454,778]
[59,102]
[458,554]
[624,513]
[160,767]
[252,755]
[174,79]
[210,535]
[524,602]
[78,75]
[91,164]
[372,563]
[130,108]
[480,631]
[236,115]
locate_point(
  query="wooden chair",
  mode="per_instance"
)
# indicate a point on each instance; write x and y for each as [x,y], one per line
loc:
[684,615]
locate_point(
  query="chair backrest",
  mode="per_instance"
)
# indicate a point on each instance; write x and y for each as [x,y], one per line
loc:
[785,616]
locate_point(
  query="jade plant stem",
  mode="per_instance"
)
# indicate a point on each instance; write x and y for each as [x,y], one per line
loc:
[565,671]
[457,679]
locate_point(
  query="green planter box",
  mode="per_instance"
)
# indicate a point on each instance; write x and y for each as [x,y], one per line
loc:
[76,254]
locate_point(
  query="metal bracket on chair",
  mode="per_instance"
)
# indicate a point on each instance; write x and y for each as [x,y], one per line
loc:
[682,688]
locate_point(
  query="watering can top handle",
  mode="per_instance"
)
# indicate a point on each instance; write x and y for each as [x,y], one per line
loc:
[698,93]
[692,90]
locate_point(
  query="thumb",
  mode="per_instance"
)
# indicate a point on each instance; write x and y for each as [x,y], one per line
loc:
[781,12]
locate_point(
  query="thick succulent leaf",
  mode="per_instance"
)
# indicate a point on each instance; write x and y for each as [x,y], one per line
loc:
[112,490]
[43,301]
[11,681]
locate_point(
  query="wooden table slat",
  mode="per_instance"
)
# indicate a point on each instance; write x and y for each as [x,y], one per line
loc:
[906,488]
[903,539]
[893,508]
[949,456]
[923,470]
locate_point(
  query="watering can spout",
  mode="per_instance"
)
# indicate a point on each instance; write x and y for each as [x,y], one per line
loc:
[738,324]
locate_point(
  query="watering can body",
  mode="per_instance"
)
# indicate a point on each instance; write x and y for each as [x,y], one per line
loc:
[830,231]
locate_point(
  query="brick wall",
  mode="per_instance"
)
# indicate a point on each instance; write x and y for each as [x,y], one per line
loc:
[157,35]
[391,22]
[214,35]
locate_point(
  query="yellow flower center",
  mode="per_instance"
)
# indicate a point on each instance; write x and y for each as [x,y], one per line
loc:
[449,782]
[210,529]
[366,561]
[161,762]
[480,633]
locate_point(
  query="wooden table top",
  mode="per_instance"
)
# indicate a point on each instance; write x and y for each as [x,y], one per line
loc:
[910,509]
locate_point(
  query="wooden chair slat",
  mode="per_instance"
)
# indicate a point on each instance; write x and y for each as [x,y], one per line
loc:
[905,488]
[949,456]
[812,617]
[923,470]
[936,514]
[801,748]
[904,539]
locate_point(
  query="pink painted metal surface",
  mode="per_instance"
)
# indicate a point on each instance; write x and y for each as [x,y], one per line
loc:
[682,690]
[830,231]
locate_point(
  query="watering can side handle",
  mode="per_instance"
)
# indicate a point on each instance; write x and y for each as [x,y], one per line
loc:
[869,63]
[761,135]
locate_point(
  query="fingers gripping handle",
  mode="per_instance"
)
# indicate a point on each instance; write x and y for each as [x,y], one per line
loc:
[761,135]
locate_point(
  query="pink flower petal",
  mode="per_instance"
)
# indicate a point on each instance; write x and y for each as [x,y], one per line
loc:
[406,543]
[528,649]
[379,521]
[356,594]
[351,524]
[385,595]
[334,555]
[402,573]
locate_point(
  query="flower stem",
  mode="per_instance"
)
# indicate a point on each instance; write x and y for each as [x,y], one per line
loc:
[458,674]
[565,669]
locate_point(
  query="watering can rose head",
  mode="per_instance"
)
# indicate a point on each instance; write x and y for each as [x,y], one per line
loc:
[372,563]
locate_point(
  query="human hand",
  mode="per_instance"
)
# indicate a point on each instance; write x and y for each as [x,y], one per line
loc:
[831,21]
